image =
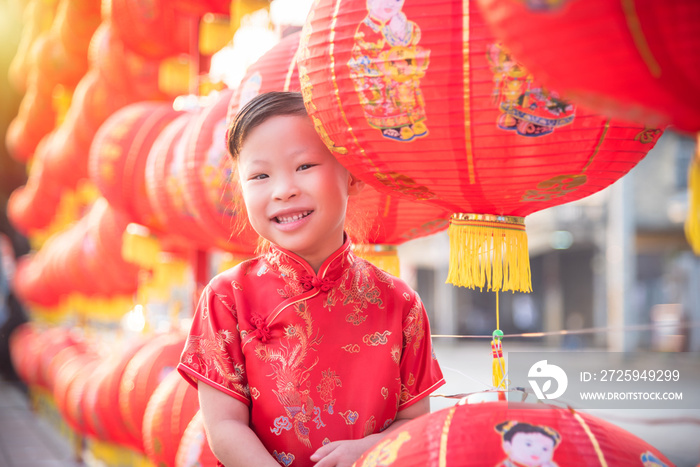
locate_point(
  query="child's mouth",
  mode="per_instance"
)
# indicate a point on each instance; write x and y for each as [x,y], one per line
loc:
[292,218]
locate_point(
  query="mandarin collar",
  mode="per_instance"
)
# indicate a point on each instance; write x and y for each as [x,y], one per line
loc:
[331,269]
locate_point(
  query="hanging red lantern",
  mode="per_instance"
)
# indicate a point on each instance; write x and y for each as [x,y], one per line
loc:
[142,375]
[75,23]
[118,157]
[106,399]
[170,409]
[164,186]
[510,434]
[194,450]
[208,189]
[433,108]
[154,29]
[125,70]
[636,60]
[20,341]
[74,389]
[65,376]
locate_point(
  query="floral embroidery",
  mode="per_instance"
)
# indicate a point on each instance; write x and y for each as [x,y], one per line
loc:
[204,353]
[377,338]
[281,423]
[317,418]
[370,425]
[411,379]
[284,458]
[414,327]
[255,393]
[356,318]
[350,416]
[291,371]
[405,394]
[329,381]
[352,348]
[396,353]
[385,392]
[387,424]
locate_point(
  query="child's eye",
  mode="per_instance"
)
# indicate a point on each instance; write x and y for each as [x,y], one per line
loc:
[259,177]
[305,166]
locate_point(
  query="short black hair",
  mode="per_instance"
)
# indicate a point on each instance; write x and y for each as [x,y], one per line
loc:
[508,429]
[257,111]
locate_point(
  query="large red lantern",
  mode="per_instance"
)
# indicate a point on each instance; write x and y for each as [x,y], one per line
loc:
[209,190]
[510,434]
[118,156]
[142,375]
[170,409]
[419,98]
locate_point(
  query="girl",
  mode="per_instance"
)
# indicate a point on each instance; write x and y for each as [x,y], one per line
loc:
[306,355]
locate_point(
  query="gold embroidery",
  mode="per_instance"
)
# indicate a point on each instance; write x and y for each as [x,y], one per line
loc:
[351,348]
[414,326]
[329,381]
[377,338]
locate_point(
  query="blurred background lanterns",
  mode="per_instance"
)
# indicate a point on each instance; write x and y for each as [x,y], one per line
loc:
[385,103]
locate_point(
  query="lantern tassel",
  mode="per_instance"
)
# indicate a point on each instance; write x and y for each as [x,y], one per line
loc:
[385,257]
[692,222]
[488,250]
[498,366]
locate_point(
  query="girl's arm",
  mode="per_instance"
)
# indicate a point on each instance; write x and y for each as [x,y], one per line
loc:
[345,453]
[230,437]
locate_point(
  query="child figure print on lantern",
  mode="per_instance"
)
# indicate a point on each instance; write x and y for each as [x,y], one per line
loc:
[386,67]
[305,355]
[528,445]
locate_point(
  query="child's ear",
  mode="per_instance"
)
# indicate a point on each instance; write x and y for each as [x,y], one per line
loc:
[355,185]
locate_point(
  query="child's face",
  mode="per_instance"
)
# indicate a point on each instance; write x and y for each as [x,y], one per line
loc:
[295,191]
[384,10]
[531,449]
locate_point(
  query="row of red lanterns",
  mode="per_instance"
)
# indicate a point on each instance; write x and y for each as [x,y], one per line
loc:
[133,399]
[85,259]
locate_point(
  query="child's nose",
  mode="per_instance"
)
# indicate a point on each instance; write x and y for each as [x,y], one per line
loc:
[285,188]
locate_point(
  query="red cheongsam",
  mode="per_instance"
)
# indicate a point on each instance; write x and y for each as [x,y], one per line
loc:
[317,357]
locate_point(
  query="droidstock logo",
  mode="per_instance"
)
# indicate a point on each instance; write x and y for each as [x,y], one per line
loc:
[543,370]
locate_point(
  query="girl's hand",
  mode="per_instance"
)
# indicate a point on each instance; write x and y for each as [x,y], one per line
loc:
[343,453]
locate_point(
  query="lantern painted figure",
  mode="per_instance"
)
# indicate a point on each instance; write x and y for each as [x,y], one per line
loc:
[386,66]
[531,111]
[526,444]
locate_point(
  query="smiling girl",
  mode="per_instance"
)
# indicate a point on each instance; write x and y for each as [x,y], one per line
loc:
[306,355]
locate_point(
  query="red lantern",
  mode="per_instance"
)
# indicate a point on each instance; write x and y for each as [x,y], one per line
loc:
[170,409]
[633,60]
[433,108]
[123,69]
[209,192]
[509,434]
[66,402]
[164,186]
[142,375]
[194,450]
[75,23]
[106,404]
[154,29]
[118,157]
[21,340]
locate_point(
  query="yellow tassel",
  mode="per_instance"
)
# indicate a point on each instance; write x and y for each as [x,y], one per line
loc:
[498,366]
[489,251]
[139,246]
[385,257]
[692,221]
